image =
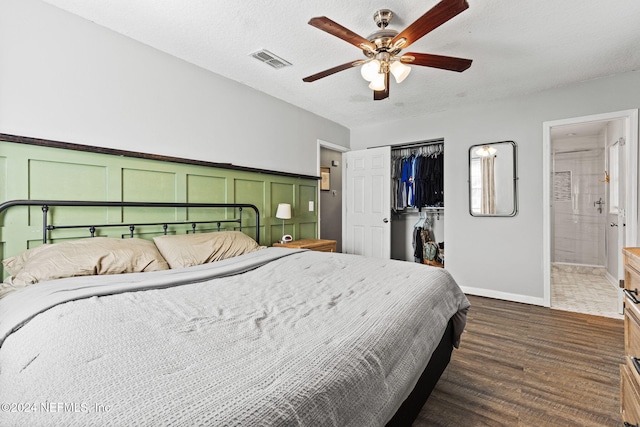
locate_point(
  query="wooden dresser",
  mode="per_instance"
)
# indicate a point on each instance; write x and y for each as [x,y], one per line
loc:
[320,245]
[630,371]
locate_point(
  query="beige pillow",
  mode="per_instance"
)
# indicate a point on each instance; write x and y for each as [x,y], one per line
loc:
[186,250]
[14,264]
[85,257]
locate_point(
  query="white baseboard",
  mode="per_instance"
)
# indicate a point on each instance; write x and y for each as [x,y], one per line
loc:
[503,296]
[611,279]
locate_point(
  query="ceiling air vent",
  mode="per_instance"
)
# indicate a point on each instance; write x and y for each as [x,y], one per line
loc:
[271,59]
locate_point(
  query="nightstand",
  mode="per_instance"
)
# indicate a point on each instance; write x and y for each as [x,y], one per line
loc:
[319,245]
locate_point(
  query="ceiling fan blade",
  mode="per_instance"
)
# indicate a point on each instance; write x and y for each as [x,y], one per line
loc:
[327,25]
[379,95]
[436,16]
[436,61]
[330,71]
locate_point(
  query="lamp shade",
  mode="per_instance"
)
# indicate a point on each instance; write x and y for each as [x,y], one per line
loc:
[370,70]
[284,211]
[377,83]
[399,71]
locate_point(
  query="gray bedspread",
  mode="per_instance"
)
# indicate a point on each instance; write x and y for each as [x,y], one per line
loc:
[274,337]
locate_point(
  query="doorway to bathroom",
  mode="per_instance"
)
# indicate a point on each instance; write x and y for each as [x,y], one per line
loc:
[591,187]
[330,196]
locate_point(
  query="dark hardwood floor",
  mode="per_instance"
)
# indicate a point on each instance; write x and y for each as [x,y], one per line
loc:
[524,365]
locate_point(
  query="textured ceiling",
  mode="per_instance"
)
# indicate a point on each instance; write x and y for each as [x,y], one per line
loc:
[517,47]
[579,130]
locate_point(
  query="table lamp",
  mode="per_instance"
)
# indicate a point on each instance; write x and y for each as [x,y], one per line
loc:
[284,212]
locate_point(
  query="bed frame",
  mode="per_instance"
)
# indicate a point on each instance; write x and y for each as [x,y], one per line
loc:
[409,409]
[48,226]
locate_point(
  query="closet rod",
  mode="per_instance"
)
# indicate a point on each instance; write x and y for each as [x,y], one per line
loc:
[412,144]
[417,144]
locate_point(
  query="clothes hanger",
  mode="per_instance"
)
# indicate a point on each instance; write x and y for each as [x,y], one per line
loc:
[426,223]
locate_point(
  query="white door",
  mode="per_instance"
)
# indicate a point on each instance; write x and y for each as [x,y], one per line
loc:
[612,209]
[368,202]
[616,222]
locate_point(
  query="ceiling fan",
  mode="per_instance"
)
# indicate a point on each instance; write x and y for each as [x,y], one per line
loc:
[382,48]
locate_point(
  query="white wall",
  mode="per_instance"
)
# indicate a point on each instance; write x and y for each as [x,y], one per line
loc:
[67,79]
[501,257]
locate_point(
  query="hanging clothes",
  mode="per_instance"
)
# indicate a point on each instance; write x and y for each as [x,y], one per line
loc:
[425,248]
[418,245]
[395,182]
[421,180]
[435,182]
[417,179]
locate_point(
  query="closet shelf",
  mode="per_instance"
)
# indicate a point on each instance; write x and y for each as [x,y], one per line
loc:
[424,208]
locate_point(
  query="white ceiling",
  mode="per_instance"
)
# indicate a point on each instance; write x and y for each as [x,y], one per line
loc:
[579,130]
[518,47]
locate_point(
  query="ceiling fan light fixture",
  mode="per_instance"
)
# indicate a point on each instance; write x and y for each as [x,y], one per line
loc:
[382,48]
[370,70]
[399,71]
[377,83]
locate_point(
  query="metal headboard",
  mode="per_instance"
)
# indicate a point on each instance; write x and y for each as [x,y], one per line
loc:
[46,204]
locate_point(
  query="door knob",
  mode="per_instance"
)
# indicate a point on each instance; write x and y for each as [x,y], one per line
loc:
[385,220]
[613,224]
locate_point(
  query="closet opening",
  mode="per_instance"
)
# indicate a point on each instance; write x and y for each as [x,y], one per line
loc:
[417,202]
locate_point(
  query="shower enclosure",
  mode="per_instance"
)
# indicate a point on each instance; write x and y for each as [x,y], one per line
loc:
[579,211]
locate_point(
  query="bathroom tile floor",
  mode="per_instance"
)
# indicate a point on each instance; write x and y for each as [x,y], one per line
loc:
[584,290]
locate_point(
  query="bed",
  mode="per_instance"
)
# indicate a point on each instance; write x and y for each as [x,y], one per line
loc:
[210,328]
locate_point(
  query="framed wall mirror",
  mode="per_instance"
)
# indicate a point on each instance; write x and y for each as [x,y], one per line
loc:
[493,179]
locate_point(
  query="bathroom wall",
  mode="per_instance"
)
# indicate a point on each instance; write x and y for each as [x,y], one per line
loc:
[578,224]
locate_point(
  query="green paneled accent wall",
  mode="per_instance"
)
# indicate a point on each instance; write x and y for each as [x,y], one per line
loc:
[52,179]
[252,191]
[284,193]
[308,230]
[308,220]
[3,178]
[146,185]
[136,184]
[207,189]
[39,172]
[3,192]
